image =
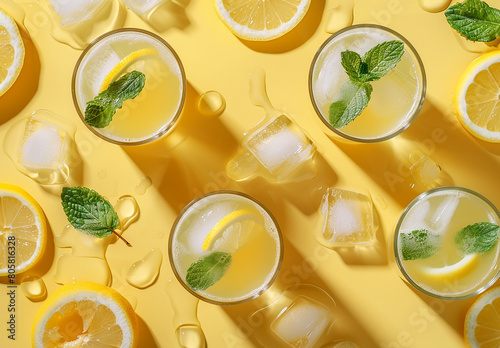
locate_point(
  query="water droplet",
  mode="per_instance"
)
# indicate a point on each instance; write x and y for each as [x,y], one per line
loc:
[434,5]
[34,288]
[190,336]
[382,204]
[161,234]
[101,173]
[339,16]
[144,272]
[211,103]
[143,185]
[128,211]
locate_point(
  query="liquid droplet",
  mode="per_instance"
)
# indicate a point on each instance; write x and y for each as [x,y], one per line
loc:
[341,15]
[34,288]
[128,211]
[101,173]
[382,204]
[143,185]
[211,103]
[144,273]
[190,336]
[258,93]
[434,5]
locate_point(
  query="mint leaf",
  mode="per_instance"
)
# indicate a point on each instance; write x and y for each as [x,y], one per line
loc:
[354,99]
[351,61]
[418,244]
[89,212]
[208,270]
[99,112]
[477,238]
[381,59]
[475,20]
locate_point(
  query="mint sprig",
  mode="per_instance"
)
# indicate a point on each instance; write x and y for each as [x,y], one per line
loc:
[477,238]
[419,244]
[89,212]
[355,94]
[99,112]
[208,270]
[475,20]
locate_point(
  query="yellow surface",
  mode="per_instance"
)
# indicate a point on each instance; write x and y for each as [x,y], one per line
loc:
[374,306]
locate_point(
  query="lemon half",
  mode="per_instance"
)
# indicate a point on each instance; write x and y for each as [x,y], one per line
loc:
[482,322]
[11,52]
[261,20]
[85,315]
[477,97]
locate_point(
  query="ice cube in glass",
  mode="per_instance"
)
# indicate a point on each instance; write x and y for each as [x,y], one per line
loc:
[347,219]
[302,323]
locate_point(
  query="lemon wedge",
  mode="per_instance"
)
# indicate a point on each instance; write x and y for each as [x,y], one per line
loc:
[22,226]
[232,231]
[459,269]
[482,321]
[261,20]
[477,97]
[11,52]
[85,314]
[123,64]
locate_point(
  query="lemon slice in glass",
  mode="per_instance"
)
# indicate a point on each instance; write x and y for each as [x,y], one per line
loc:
[232,231]
[456,270]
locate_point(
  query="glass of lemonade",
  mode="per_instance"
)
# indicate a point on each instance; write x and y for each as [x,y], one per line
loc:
[396,98]
[446,245]
[155,110]
[225,247]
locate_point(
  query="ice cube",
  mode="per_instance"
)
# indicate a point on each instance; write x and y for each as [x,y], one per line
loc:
[416,218]
[280,146]
[204,222]
[425,171]
[302,323]
[348,218]
[76,12]
[141,6]
[444,213]
[43,145]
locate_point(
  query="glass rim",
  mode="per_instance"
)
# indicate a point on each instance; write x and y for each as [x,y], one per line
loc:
[183,82]
[418,64]
[265,286]
[399,262]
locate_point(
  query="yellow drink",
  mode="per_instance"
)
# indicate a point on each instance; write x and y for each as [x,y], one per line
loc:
[396,98]
[449,272]
[154,111]
[255,246]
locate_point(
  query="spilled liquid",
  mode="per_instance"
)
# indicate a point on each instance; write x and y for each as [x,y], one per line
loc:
[87,259]
[143,185]
[211,104]
[258,93]
[340,16]
[144,272]
[434,5]
[187,327]
[34,288]
[381,203]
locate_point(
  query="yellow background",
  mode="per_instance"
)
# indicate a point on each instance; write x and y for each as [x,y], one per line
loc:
[374,306]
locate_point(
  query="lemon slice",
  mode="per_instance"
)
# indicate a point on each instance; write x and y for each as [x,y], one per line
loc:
[232,231]
[22,227]
[477,97]
[261,20]
[459,269]
[123,64]
[11,52]
[482,321]
[85,314]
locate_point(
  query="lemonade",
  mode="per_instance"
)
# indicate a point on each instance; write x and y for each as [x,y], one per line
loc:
[238,233]
[446,243]
[157,106]
[396,98]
